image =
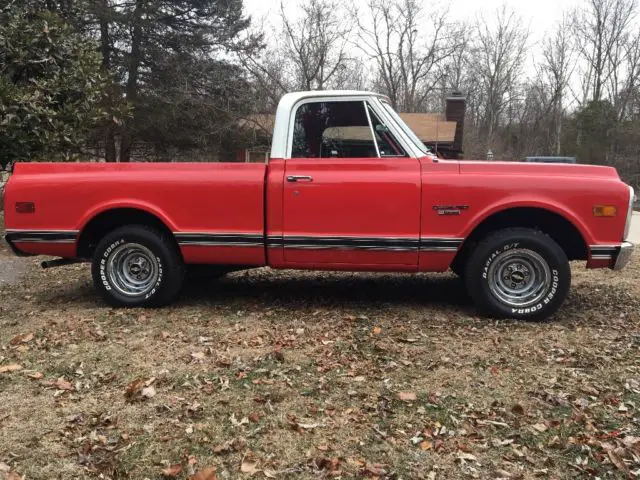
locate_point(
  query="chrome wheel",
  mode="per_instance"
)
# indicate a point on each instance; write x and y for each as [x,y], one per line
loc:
[133,270]
[519,278]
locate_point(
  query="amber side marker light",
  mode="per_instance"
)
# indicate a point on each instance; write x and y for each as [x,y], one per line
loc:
[25,207]
[604,211]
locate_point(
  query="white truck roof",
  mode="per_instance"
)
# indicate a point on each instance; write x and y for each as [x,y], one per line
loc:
[288,102]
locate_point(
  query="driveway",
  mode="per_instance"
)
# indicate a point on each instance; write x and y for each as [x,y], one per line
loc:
[634,234]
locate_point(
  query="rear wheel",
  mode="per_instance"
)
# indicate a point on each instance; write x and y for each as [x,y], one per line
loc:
[518,273]
[137,266]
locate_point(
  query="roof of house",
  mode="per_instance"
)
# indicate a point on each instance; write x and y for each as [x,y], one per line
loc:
[429,127]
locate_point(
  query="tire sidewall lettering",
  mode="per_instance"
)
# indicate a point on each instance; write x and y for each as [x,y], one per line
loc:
[156,287]
[555,282]
[496,252]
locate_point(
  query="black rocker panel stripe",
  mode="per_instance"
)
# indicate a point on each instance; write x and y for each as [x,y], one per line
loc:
[41,237]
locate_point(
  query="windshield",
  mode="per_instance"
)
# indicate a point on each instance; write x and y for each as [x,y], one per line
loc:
[414,138]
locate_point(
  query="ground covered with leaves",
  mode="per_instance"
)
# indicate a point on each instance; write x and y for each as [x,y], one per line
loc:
[316,375]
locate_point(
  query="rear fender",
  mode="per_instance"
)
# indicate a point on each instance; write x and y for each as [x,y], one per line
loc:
[138,205]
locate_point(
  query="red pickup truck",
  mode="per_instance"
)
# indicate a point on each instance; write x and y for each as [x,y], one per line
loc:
[348,187]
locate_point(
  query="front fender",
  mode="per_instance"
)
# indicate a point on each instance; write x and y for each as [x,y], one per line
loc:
[529,202]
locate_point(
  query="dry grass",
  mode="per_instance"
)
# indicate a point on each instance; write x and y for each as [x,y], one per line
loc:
[299,375]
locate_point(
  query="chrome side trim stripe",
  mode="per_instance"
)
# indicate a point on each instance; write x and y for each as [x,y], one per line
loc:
[603,252]
[41,236]
[393,244]
[396,244]
[348,243]
[220,239]
[604,249]
[440,244]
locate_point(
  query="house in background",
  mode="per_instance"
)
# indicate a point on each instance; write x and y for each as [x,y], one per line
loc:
[443,133]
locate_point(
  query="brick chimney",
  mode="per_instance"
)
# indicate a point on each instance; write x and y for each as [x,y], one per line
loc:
[456,108]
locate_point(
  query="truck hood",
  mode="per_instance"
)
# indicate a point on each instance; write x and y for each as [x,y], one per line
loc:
[538,169]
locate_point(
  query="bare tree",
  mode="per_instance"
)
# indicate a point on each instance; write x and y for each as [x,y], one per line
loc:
[317,43]
[600,28]
[309,51]
[555,71]
[628,87]
[409,49]
[498,58]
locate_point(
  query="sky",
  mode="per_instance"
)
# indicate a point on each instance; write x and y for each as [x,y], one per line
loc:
[540,15]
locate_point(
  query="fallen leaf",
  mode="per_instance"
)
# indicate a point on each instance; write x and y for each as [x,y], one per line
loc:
[540,427]
[426,445]
[148,392]
[238,423]
[172,470]
[206,474]
[255,417]
[467,457]
[407,396]
[10,368]
[617,461]
[374,469]
[4,467]
[249,467]
[377,330]
[278,355]
[24,338]
[232,445]
[62,384]
[309,426]
[198,356]
[502,474]
[133,388]
[36,375]
[140,389]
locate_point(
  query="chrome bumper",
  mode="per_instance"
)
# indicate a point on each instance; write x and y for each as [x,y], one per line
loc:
[624,255]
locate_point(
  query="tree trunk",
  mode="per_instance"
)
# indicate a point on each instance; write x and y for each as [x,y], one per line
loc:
[131,89]
[110,153]
[559,125]
[105,51]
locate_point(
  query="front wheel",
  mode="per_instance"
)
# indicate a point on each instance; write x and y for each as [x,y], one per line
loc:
[137,266]
[518,273]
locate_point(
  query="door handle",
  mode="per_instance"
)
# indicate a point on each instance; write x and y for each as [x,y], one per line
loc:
[299,178]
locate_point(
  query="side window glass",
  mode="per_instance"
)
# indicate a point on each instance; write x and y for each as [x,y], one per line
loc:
[387,143]
[332,130]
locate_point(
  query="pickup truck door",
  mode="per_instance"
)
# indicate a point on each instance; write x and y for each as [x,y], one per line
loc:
[351,195]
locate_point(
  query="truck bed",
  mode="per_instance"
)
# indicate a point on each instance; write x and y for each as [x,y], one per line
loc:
[201,203]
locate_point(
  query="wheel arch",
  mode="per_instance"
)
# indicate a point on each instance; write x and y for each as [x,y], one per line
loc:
[102,221]
[562,227]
